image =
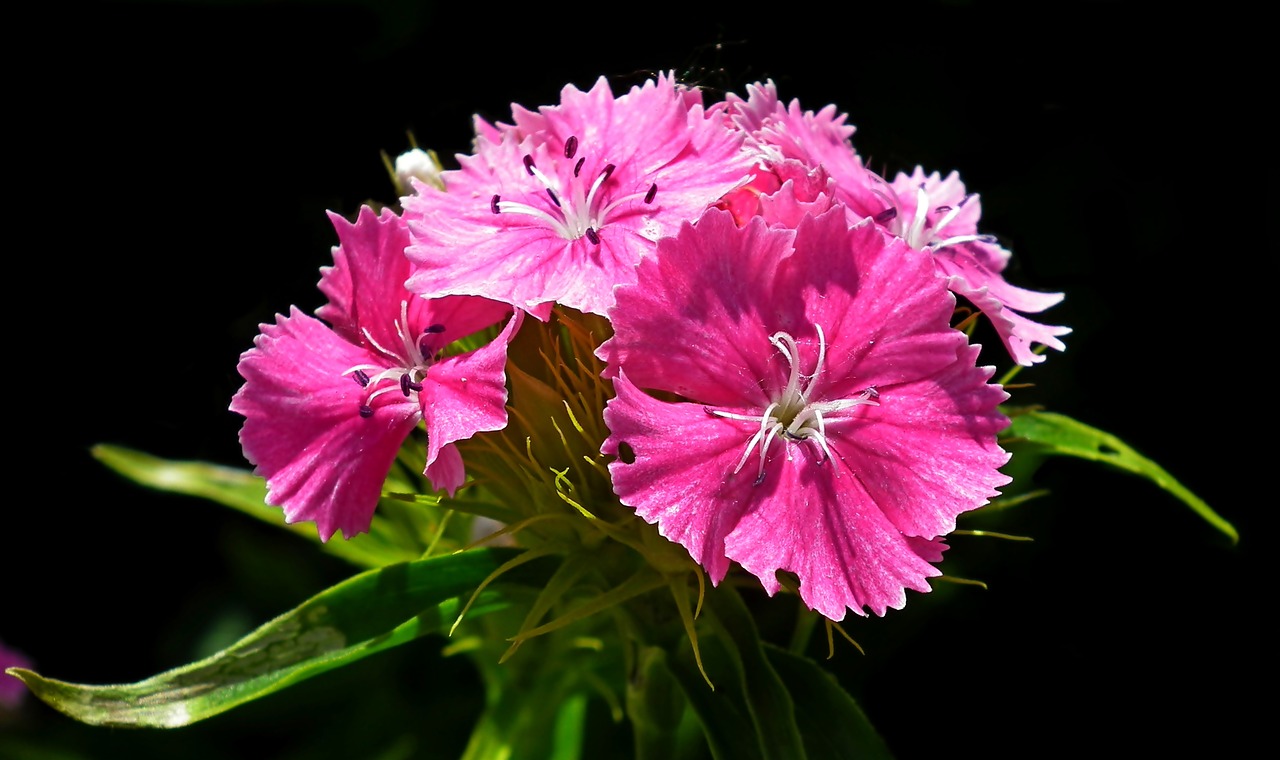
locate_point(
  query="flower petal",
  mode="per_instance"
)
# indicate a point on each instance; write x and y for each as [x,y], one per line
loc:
[303,429]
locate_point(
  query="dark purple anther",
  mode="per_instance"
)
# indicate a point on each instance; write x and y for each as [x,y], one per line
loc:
[942,209]
[493,204]
[607,173]
[437,328]
[653,190]
[361,377]
[988,239]
[965,199]
[593,236]
[570,147]
[407,385]
[578,166]
[366,411]
[886,216]
[552,194]
[528,164]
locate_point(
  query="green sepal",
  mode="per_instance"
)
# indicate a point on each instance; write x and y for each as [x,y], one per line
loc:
[361,616]
[1055,434]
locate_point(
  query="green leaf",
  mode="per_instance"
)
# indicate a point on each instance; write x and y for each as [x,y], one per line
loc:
[771,707]
[750,714]
[831,722]
[245,492]
[723,713]
[361,616]
[1057,434]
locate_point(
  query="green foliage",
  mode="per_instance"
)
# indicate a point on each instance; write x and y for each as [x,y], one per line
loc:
[361,616]
[1039,433]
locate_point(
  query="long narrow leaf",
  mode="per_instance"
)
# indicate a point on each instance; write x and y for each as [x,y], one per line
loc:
[1058,434]
[365,614]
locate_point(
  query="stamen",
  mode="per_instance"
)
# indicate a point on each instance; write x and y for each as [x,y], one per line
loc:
[884,217]
[366,411]
[577,209]
[407,385]
[434,329]
[793,415]
[361,377]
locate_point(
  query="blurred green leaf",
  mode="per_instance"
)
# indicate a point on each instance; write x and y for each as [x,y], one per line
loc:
[1056,434]
[361,616]
[245,492]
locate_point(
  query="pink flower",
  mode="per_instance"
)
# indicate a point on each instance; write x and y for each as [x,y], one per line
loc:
[936,215]
[828,421]
[562,204]
[327,407]
[947,229]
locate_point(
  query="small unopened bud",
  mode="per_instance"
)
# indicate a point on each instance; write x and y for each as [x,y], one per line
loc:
[419,164]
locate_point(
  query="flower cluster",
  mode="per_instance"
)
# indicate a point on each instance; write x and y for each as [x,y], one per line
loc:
[749,336]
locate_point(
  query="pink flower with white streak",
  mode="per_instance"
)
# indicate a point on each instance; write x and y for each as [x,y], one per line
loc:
[830,422]
[936,215]
[562,204]
[947,229]
[328,406]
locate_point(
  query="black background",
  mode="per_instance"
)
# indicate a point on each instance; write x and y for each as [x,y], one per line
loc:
[175,163]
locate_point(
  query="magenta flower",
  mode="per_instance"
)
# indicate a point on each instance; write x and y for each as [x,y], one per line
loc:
[936,215]
[947,229]
[327,407]
[829,422]
[562,204]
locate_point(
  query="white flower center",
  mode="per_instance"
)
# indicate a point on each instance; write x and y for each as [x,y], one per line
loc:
[573,206]
[409,364]
[794,414]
